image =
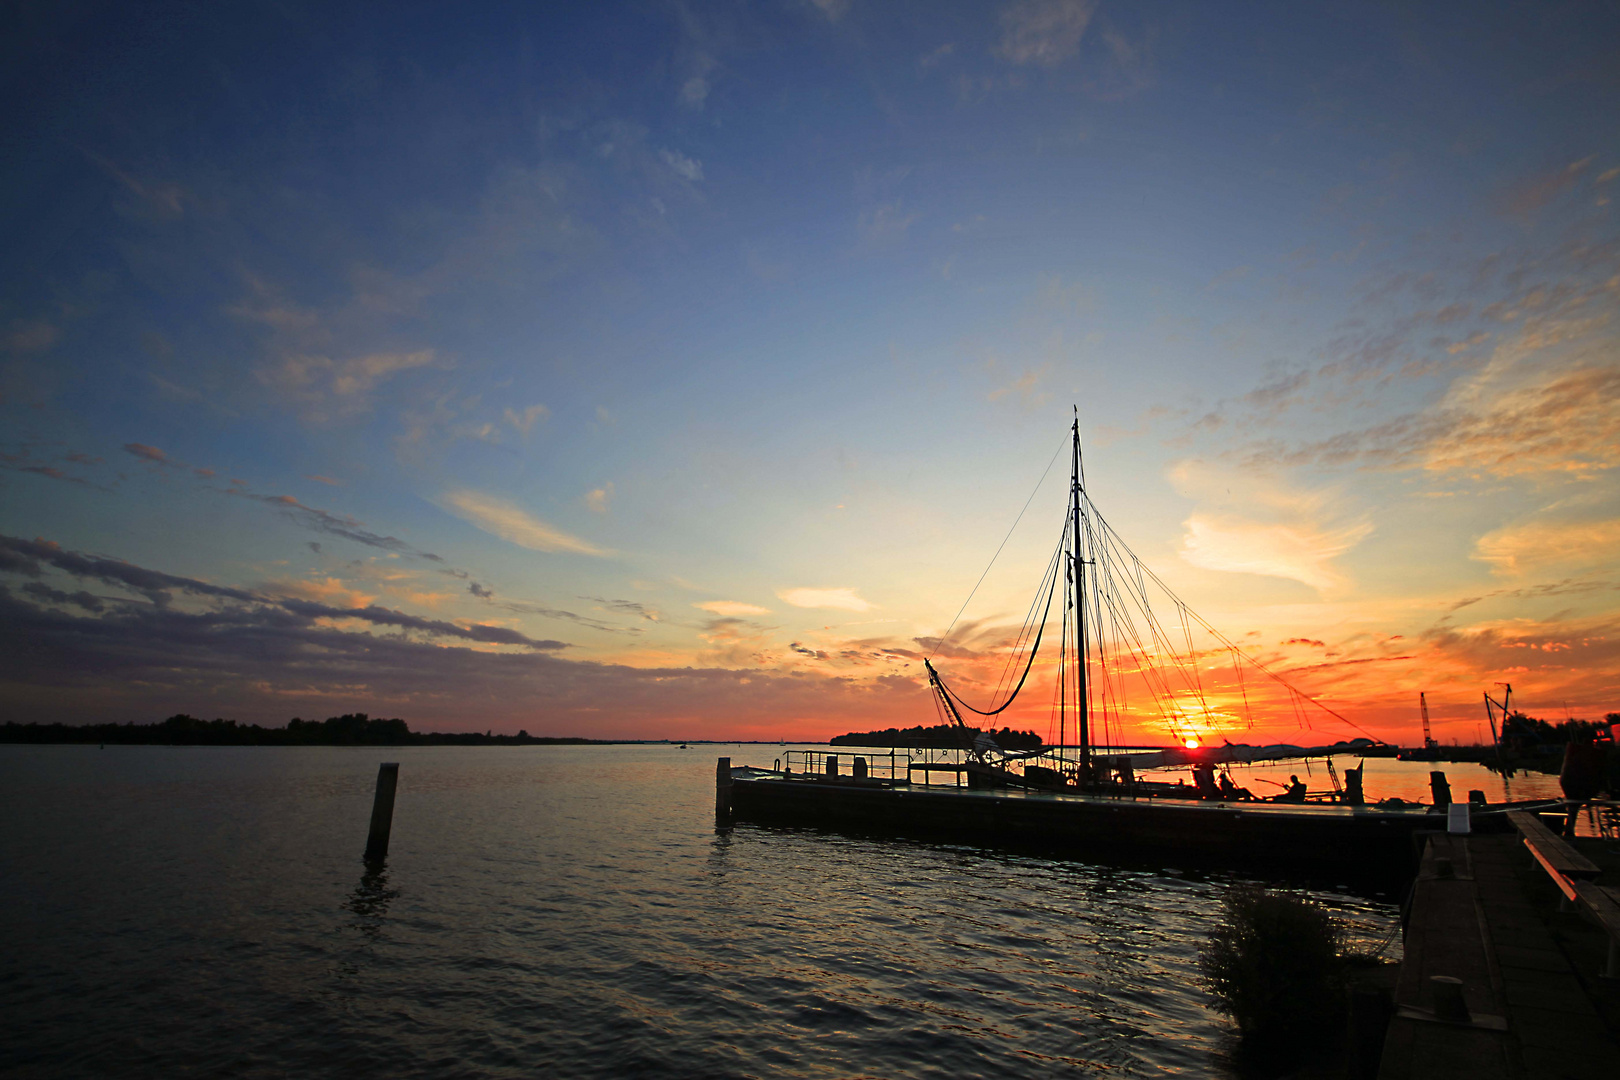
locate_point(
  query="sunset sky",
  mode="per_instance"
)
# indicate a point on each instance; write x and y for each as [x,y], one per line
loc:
[675,369]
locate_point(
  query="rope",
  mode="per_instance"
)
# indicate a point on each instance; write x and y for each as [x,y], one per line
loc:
[1036,648]
[947,636]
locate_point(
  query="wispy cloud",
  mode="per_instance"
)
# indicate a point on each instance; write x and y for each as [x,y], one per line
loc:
[148,453]
[1544,406]
[23,459]
[164,200]
[1026,386]
[598,498]
[323,590]
[1259,525]
[731,608]
[833,9]
[525,420]
[1533,192]
[688,169]
[29,558]
[627,607]
[515,525]
[341,385]
[75,656]
[1542,545]
[29,336]
[1517,417]
[843,599]
[324,521]
[886,221]
[1298,551]
[1043,32]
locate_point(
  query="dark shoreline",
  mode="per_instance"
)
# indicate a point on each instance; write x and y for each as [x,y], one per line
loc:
[354,729]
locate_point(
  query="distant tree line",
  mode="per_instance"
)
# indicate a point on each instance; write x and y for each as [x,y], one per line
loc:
[940,736]
[1524,733]
[351,729]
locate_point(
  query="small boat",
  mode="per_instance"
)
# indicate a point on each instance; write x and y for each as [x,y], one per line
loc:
[1095,795]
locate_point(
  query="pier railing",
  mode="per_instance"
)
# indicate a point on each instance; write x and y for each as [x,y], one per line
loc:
[936,766]
[895,765]
[1573,873]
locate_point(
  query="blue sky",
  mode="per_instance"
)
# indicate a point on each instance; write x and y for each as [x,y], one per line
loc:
[711,349]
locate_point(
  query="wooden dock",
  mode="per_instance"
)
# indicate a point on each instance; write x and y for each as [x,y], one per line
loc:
[1533,1000]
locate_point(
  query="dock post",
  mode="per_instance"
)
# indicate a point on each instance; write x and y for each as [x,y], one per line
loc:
[1440,788]
[382,810]
[722,788]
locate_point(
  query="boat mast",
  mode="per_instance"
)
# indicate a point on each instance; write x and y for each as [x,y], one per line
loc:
[1077,582]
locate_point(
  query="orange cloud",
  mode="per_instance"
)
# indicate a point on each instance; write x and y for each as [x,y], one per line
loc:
[515,525]
[1301,552]
[731,607]
[1541,545]
[328,590]
[843,599]
[1517,420]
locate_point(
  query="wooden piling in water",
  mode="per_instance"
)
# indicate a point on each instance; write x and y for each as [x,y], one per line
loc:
[722,788]
[382,810]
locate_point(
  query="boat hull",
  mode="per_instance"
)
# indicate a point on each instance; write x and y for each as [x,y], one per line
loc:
[1354,840]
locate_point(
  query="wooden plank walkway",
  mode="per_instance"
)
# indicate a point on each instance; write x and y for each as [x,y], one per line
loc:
[1483,913]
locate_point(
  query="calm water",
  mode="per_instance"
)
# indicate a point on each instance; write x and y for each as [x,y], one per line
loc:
[569,912]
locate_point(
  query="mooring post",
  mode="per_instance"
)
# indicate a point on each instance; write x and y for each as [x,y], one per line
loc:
[1440,789]
[382,810]
[1448,999]
[722,788]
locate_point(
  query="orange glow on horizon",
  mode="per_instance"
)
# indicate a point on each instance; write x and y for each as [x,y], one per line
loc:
[1190,743]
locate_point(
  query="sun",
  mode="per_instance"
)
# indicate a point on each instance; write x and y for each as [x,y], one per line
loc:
[1190,743]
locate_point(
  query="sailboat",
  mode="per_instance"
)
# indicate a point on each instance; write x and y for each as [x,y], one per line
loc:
[1117,662]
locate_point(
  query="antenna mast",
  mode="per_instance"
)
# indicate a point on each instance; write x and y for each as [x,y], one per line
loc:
[1077,582]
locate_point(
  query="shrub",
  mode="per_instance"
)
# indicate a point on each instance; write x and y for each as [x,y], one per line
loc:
[1273,964]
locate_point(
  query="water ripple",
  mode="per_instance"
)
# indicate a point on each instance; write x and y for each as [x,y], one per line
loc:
[557,911]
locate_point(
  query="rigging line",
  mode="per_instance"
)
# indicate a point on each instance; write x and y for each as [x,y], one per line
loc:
[1162,647]
[1020,517]
[1144,604]
[1104,685]
[1141,568]
[1121,695]
[1010,664]
[1096,613]
[1152,677]
[1192,657]
[1034,650]
[1237,667]
[1056,720]
[1115,602]
[1112,597]
[1293,699]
